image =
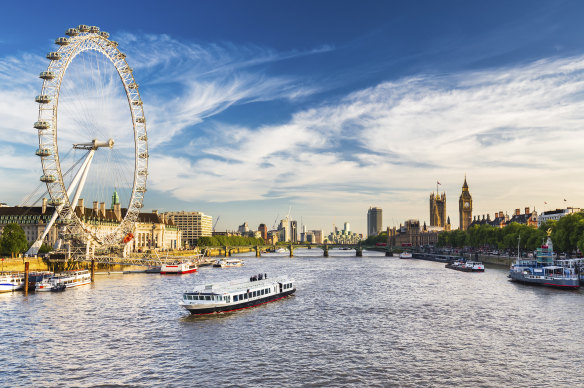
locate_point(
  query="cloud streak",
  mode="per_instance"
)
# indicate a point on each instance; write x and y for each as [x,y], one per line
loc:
[509,128]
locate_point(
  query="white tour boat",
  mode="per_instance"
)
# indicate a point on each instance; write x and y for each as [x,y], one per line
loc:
[236,294]
[52,283]
[11,281]
[71,279]
[228,263]
[178,268]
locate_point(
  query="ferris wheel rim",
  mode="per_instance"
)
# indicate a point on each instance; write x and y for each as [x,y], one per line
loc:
[82,39]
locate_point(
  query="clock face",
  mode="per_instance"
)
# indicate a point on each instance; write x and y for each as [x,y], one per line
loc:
[466,205]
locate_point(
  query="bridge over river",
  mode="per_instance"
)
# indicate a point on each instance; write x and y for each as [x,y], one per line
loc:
[230,250]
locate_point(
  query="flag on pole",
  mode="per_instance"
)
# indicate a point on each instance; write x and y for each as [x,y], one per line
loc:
[438,183]
[565,200]
[545,203]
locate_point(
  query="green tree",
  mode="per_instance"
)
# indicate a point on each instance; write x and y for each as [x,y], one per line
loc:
[13,240]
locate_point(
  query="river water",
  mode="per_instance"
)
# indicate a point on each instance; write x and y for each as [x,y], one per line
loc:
[371,321]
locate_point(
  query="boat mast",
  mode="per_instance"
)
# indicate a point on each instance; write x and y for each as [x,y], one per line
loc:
[518,241]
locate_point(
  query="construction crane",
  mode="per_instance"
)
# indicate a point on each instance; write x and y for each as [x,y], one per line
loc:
[275,221]
[216,221]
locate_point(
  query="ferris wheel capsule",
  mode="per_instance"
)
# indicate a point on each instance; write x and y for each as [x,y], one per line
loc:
[55,202]
[104,34]
[94,29]
[54,56]
[43,99]
[62,41]
[140,120]
[83,28]
[48,178]
[42,124]
[47,75]
[72,32]
[43,152]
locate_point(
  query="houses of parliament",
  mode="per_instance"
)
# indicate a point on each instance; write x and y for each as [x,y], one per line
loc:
[438,216]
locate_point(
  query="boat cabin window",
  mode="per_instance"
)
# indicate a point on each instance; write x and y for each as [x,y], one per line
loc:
[207,297]
[235,298]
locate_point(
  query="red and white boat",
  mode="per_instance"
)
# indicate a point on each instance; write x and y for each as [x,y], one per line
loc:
[178,268]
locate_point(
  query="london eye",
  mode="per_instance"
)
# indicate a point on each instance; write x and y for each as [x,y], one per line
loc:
[92,137]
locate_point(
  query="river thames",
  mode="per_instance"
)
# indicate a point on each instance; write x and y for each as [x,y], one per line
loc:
[371,321]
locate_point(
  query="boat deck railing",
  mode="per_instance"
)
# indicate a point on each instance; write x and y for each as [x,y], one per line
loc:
[238,285]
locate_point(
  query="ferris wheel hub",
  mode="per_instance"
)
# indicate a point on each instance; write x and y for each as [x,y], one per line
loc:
[95,144]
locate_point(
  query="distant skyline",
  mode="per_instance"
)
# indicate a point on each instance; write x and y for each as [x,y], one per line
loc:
[328,108]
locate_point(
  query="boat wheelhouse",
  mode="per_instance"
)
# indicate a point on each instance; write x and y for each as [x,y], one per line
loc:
[11,281]
[236,294]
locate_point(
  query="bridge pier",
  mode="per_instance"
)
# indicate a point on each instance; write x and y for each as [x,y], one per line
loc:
[325,252]
[359,251]
[227,252]
[291,250]
[257,249]
[92,270]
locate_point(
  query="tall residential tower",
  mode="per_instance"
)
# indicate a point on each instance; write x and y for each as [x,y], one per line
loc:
[374,221]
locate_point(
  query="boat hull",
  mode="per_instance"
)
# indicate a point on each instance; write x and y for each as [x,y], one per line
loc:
[11,287]
[239,306]
[544,281]
[464,269]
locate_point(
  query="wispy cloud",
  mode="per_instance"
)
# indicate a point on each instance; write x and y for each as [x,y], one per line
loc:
[510,129]
[182,84]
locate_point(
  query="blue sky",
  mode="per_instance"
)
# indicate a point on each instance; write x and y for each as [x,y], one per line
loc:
[327,107]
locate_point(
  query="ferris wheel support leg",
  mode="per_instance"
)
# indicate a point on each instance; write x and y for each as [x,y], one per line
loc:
[85,171]
[81,174]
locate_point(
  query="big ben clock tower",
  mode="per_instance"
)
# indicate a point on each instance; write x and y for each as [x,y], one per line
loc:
[465,207]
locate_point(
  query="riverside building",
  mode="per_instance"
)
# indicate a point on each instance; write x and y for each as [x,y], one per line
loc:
[150,230]
[555,214]
[411,234]
[193,225]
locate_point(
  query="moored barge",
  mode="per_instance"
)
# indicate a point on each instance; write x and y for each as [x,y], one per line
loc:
[543,270]
[236,294]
